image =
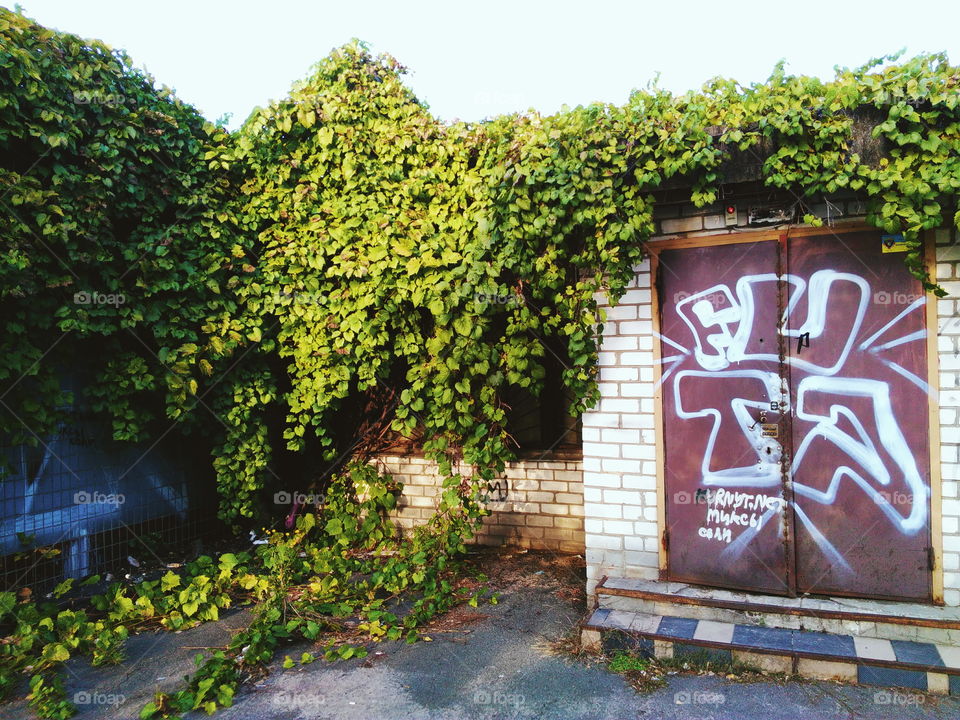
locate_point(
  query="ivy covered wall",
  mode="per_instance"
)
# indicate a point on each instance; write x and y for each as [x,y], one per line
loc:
[295,291]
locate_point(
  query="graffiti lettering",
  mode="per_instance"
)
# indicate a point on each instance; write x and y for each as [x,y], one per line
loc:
[859,419]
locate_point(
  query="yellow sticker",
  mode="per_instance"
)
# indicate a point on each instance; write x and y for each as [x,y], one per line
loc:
[893,243]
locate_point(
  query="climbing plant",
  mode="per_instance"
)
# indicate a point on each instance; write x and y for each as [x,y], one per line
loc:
[345,269]
[113,229]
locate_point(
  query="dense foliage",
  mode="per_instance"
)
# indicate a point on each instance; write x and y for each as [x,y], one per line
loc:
[345,267]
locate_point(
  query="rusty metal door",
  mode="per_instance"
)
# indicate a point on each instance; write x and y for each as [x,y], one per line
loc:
[723,419]
[795,417]
[858,376]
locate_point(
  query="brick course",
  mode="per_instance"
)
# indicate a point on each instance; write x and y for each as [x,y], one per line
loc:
[543,508]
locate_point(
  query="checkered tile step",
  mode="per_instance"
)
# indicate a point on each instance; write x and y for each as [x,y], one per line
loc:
[927,657]
[880,611]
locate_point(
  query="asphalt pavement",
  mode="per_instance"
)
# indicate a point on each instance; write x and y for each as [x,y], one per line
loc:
[491,662]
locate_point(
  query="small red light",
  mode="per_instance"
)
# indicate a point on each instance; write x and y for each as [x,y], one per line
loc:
[731,210]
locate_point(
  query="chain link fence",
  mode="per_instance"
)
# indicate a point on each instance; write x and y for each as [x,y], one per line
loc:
[80,503]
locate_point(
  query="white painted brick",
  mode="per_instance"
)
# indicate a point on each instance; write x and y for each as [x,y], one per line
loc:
[681,225]
[636,358]
[601,449]
[593,525]
[642,559]
[622,466]
[620,436]
[620,342]
[637,421]
[642,328]
[604,542]
[619,374]
[595,419]
[952,288]
[950,471]
[645,529]
[950,398]
[608,389]
[606,358]
[642,297]
[950,453]
[639,482]
[603,510]
[617,527]
[639,451]
[714,222]
[613,558]
[619,405]
[947,362]
[948,253]
[623,497]
[641,390]
[622,312]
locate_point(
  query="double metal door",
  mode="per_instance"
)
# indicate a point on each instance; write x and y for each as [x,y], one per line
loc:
[795,417]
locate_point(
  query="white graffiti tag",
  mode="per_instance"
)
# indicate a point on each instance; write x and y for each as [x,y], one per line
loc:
[721,323]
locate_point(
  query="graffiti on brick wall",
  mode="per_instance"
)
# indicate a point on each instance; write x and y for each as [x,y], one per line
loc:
[498,490]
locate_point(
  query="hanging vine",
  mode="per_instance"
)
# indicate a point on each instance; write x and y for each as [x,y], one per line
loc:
[346,267]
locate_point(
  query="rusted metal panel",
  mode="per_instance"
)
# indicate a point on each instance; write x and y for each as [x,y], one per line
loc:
[858,378]
[795,417]
[725,505]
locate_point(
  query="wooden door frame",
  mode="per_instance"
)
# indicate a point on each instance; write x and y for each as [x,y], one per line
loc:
[933,375]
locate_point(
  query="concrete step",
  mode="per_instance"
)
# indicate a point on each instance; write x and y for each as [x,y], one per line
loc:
[845,616]
[929,667]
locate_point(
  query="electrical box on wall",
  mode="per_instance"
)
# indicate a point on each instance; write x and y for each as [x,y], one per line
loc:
[730,215]
[770,215]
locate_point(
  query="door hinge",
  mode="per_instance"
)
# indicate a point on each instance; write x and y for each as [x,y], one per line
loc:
[666,540]
[931,559]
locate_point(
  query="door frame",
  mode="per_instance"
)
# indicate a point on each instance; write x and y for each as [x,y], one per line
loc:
[933,373]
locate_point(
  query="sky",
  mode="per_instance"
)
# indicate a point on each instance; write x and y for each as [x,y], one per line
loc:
[471,60]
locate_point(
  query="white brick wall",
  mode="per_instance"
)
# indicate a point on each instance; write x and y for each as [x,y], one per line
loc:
[948,344]
[619,478]
[543,508]
[619,448]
